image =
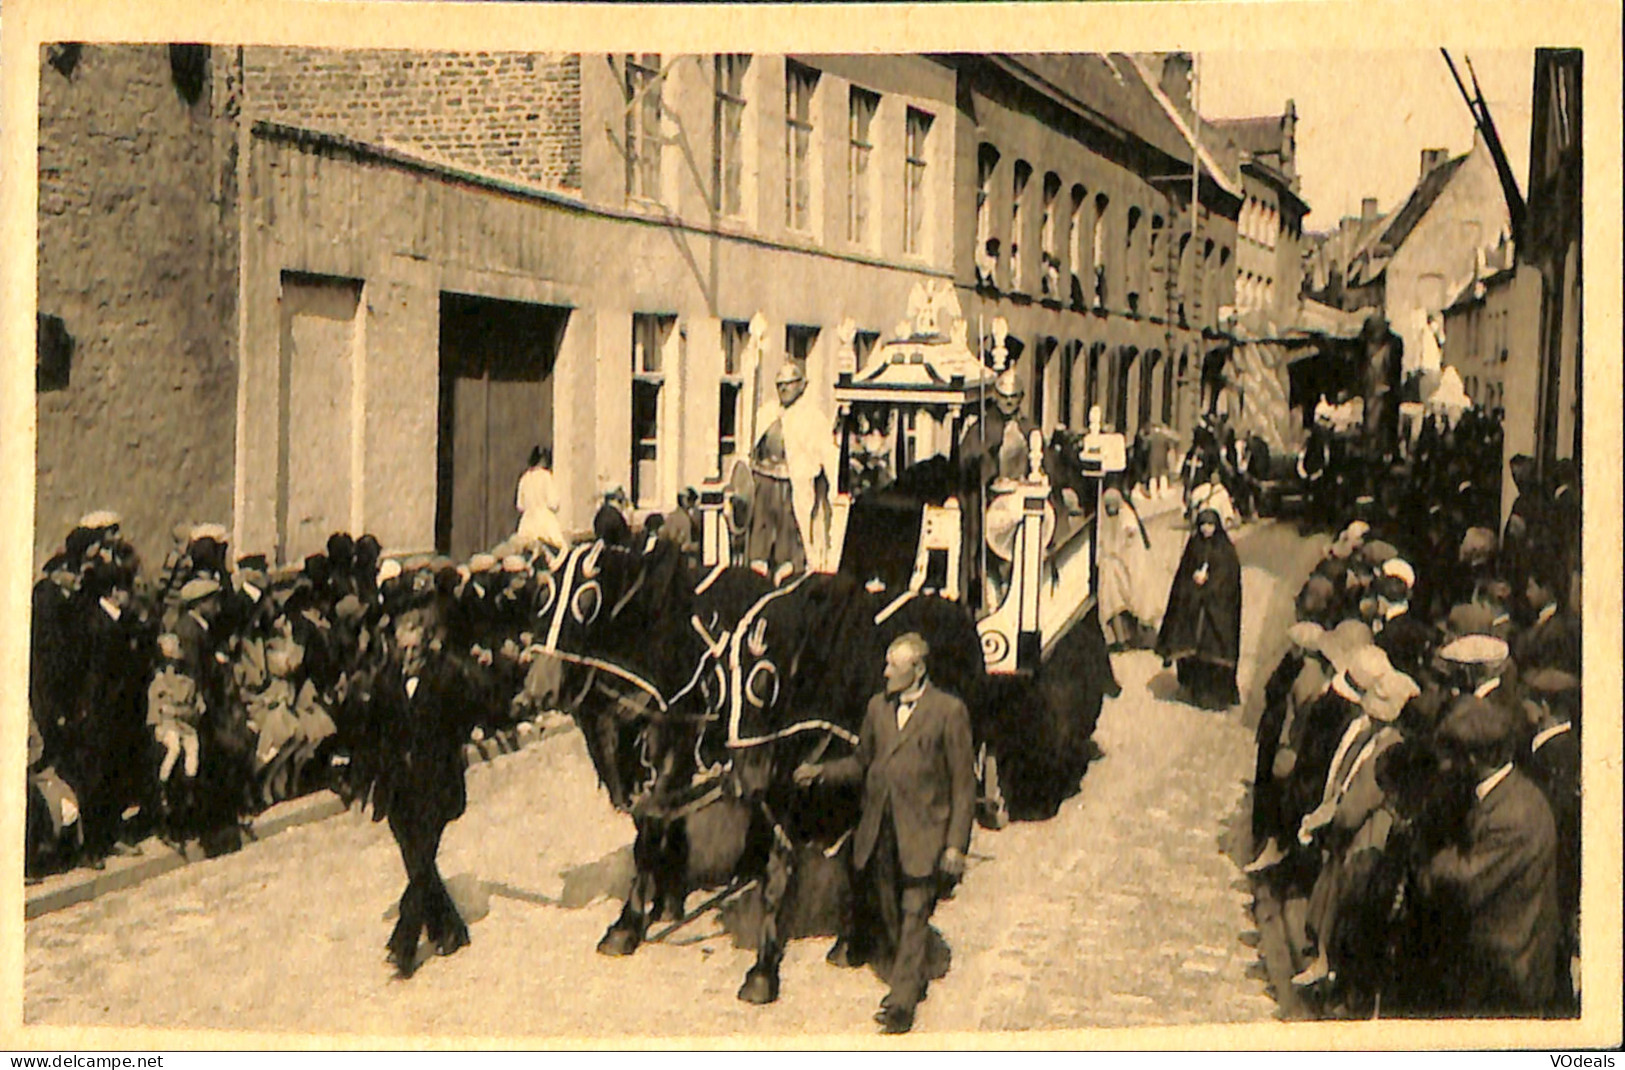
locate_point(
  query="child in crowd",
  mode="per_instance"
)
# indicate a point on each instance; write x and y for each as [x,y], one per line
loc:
[174,708]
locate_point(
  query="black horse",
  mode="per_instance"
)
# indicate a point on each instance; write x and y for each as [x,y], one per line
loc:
[730,672]
[640,639]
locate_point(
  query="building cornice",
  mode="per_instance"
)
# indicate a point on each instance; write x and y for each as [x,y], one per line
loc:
[321,141]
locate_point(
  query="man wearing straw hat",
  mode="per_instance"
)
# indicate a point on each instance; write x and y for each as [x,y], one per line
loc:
[1319,727]
[1339,824]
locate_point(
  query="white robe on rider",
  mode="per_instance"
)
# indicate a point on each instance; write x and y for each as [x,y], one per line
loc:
[810,452]
[1214,496]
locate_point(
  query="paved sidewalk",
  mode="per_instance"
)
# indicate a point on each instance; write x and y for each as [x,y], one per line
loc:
[155,858]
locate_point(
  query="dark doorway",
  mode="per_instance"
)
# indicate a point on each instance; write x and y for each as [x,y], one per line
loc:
[1044,385]
[1120,395]
[496,402]
[1148,380]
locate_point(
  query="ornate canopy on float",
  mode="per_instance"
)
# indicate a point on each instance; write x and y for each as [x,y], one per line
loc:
[925,360]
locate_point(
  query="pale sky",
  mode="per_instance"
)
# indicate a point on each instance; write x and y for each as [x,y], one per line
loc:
[1365,117]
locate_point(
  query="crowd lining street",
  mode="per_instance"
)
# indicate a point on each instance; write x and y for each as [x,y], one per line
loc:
[1127,908]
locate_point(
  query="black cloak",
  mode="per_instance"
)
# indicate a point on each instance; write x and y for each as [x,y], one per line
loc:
[1204,621]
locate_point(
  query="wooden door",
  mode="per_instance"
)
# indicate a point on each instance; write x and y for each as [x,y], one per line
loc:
[496,403]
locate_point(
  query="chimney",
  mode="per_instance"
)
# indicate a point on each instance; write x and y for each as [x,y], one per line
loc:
[1368,209]
[1432,158]
[1176,79]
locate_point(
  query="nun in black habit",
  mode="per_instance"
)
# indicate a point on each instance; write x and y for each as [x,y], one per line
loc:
[1201,629]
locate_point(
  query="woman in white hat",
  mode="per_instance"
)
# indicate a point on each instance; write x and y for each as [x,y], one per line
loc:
[1350,825]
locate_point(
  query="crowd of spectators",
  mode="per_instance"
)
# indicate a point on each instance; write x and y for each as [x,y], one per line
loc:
[183,703]
[1416,800]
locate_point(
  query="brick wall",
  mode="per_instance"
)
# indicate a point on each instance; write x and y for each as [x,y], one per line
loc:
[137,257]
[510,114]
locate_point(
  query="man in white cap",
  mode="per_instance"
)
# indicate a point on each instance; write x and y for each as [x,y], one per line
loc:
[993,460]
[1349,540]
[793,464]
[1475,664]
[1403,635]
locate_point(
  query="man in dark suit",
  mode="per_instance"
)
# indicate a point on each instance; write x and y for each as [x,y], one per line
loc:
[1503,878]
[1402,634]
[1552,761]
[919,793]
[1552,641]
[610,522]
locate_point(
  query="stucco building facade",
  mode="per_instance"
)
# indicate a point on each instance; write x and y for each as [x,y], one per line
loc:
[351,290]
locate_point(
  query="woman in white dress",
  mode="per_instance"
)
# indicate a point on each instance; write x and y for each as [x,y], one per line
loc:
[538,502]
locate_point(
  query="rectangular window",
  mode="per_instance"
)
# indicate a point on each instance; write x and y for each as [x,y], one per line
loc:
[911,436]
[799,342]
[651,334]
[861,116]
[863,346]
[1092,378]
[1069,366]
[53,353]
[728,135]
[1097,247]
[799,83]
[1043,381]
[735,336]
[1018,199]
[643,138]
[919,125]
[1168,391]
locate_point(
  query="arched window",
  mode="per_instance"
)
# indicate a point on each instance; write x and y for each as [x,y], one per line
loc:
[1049,258]
[1018,197]
[1132,260]
[1075,246]
[986,257]
[1098,247]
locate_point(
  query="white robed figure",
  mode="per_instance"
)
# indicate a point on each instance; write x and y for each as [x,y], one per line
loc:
[794,463]
[1124,561]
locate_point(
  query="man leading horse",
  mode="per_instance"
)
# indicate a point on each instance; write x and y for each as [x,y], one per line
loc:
[914,757]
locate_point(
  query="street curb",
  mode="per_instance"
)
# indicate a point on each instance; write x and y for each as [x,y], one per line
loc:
[84,885]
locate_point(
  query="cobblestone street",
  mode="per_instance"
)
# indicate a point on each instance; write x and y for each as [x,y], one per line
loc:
[1127,908]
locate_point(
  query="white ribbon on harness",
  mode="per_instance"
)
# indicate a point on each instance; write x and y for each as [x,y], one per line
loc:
[614,670]
[897,603]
